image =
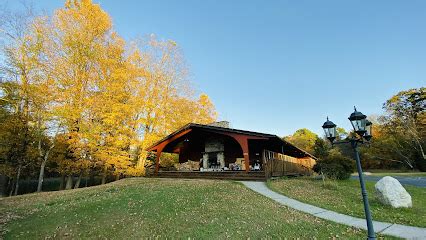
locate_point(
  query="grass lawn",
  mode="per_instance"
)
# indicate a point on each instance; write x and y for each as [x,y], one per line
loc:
[159,208]
[346,198]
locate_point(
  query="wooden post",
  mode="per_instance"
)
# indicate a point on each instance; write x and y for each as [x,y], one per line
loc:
[243,141]
[157,159]
[160,147]
[285,164]
[246,158]
[264,167]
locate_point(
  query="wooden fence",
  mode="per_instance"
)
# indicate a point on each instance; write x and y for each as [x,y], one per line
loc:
[277,165]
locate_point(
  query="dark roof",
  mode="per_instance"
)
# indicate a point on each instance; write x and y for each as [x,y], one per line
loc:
[224,129]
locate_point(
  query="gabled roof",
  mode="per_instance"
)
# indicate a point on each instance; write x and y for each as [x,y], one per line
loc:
[229,130]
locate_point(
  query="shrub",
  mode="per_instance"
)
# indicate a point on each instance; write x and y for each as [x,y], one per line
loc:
[168,161]
[335,166]
[421,163]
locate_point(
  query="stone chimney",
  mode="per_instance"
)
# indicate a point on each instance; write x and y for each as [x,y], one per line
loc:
[223,124]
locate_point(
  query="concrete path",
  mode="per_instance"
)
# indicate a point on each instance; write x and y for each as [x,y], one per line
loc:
[415,181]
[380,227]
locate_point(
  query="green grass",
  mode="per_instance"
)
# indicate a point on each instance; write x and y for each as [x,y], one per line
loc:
[160,208]
[345,197]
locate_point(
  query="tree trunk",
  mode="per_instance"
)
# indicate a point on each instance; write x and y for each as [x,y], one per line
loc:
[41,176]
[142,159]
[77,184]
[103,179]
[69,183]
[42,167]
[12,188]
[18,175]
[104,175]
[91,179]
[4,184]
[62,184]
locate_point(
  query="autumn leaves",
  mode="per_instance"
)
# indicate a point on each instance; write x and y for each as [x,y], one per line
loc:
[92,98]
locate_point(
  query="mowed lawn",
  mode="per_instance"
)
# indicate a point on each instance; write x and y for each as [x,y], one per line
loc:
[345,197]
[160,208]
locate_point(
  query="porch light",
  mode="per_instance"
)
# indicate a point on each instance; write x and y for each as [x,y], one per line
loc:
[358,121]
[330,130]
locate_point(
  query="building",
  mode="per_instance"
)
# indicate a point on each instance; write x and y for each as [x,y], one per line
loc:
[218,150]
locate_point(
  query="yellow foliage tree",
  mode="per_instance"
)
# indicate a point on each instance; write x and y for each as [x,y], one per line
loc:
[164,98]
[98,101]
[86,61]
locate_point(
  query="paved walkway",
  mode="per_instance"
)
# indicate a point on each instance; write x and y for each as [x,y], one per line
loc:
[380,227]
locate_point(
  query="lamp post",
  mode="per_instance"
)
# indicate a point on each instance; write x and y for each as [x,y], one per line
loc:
[362,128]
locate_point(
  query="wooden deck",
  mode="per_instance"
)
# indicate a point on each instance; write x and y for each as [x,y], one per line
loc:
[226,175]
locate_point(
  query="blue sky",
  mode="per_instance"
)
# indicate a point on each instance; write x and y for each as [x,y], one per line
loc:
[277,66]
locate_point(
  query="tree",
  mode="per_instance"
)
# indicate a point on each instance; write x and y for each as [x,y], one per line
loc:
[168,102]
[44,94]
[304,139]
[17,152]
[341,133]
[321,148]
[77,99]
[399,136]
[86,62]
[19,72]
[406,119]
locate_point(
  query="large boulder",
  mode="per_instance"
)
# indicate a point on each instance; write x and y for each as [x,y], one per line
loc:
[390,192]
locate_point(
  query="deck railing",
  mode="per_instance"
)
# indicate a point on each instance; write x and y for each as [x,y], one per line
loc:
[277,165]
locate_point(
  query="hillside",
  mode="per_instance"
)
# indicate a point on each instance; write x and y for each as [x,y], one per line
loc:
[138,208]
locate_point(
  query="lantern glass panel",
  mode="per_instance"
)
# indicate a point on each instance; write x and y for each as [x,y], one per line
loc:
[368,130]
[330,132]
[359,125]
[326,132]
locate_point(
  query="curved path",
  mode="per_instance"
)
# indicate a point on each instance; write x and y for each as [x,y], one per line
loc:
[396,230]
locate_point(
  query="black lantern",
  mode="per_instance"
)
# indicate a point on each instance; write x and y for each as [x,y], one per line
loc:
[358,121]
[368,127]
[329,130]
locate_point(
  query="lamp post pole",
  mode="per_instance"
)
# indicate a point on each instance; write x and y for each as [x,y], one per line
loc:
[370,227]
[362,128]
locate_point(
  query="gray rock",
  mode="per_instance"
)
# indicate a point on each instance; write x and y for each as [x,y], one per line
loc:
[390,192]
